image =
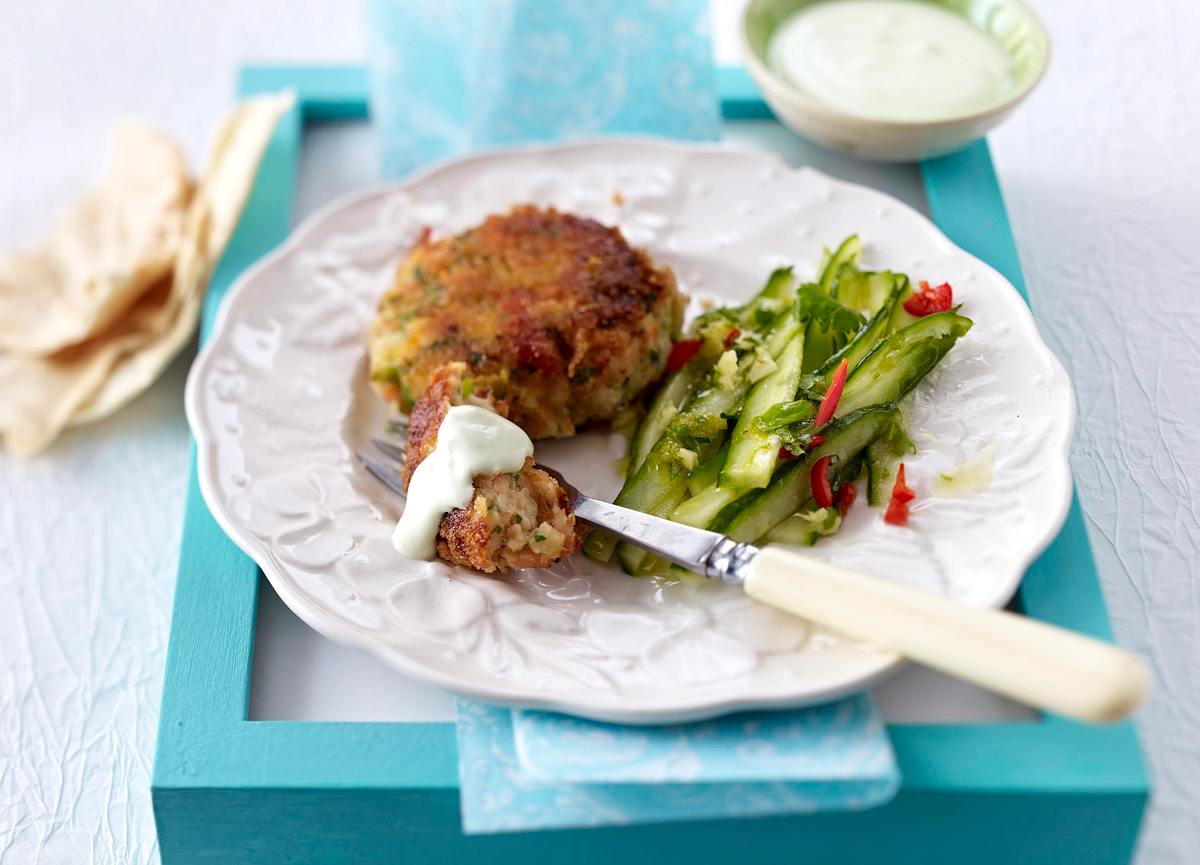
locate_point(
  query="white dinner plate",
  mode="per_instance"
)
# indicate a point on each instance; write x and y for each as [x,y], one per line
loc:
[278,402]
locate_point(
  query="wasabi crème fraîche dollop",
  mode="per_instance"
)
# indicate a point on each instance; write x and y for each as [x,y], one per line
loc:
[892,60]
[471,441]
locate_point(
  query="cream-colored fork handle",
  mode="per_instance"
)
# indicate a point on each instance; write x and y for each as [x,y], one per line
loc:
[1026,660]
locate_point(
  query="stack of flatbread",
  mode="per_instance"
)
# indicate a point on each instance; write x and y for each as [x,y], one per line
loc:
[95,311]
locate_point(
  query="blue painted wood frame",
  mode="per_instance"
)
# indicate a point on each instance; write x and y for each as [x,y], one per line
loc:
[230,790]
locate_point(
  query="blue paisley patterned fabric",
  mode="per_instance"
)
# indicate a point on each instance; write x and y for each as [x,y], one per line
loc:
[838,741]
[449,76]
[523,771]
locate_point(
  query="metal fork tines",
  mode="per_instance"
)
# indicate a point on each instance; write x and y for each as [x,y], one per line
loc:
[703,552]
[387,473]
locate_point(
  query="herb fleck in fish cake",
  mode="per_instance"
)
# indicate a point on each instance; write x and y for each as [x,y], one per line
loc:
[554,314]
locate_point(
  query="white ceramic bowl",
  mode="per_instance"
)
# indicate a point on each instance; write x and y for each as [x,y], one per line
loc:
[1010,22]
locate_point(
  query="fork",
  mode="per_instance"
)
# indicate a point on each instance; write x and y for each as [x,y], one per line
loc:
[1034,663]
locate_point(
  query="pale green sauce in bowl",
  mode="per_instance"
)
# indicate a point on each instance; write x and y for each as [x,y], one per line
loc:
[890,59]
[895,80]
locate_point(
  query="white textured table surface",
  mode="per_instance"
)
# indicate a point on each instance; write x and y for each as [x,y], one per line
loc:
[1102,177]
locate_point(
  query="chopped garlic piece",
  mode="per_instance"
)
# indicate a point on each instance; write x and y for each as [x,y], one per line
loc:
[727,369]
[547,540]
[762,366]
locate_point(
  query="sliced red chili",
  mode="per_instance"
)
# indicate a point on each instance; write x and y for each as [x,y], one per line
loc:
[896,514]
[816,441]
[733,334]
[845,498]
[821,490]
[901,490]
[833,393]
[930,299]
[785,454]
[682,352]
[902,494]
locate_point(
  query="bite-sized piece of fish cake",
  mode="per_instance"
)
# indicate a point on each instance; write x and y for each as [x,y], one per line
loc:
[552,313]
[514,520]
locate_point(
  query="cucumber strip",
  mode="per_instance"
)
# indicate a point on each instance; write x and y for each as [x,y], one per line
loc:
[660,479]
[826,255]
[780,286]
[661,482]
[681,384]
[753,452]
[819,344]
[631,558]
[847,254]
[675,391]
[666,405]
[771,305]
[702,508]
[881,472]
[895,365]
[890,369]
[759,511]
[705,475]
[902,318]
[848,472]
[883,455]
[784,331]
[803,529]
[862,343]
[598,546]
[865,292]
[649,566]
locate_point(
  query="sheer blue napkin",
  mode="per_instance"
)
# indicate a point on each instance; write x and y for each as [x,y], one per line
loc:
[523,770]
[449,76]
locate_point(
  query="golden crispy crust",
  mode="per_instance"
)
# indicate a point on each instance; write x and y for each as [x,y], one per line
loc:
[518,520]
[555,314]
[445,389]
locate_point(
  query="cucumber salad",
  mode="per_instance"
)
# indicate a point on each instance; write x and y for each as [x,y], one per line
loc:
[775,413]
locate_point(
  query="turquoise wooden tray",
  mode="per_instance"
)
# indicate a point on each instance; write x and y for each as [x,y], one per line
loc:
[230,790]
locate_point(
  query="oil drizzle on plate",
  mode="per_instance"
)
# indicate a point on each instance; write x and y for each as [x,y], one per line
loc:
[967,477]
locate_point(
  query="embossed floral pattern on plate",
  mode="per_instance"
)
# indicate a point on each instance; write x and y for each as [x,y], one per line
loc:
[279,401]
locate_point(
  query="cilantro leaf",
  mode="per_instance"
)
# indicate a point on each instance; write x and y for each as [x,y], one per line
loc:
[785,414]
[814,305]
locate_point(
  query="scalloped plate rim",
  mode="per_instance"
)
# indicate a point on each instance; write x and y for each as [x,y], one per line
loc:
[886,662]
